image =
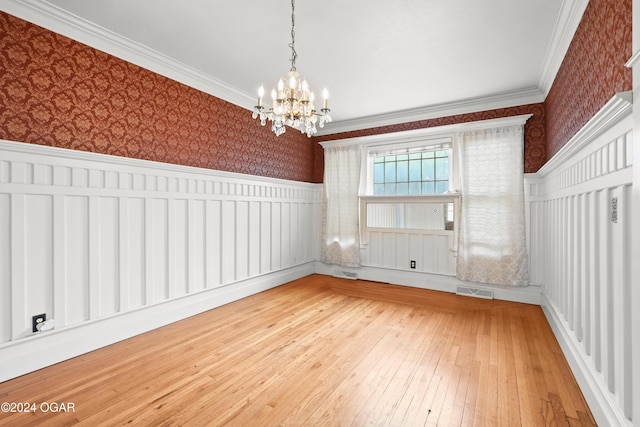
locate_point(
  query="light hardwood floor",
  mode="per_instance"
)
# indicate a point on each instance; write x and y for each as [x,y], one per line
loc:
[322,351]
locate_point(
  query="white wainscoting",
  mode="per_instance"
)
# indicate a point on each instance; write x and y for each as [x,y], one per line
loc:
[579,215]
[110,247]
[398,230]
[431,250]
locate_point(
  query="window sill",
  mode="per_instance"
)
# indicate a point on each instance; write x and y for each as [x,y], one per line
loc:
[417,198]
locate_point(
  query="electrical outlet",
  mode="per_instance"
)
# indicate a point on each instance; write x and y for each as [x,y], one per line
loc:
[36,320]
[413,263]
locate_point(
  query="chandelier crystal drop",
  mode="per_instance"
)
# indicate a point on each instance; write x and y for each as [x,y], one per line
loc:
[292,100]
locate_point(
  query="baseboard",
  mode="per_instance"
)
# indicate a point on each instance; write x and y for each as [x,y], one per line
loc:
[47,348]
[599,399]
[437,282]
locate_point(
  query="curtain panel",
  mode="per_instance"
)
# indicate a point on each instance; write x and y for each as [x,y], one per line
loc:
[340,207]
[492,237]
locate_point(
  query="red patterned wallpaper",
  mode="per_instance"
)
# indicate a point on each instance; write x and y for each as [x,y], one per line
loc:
[534,148]
[592,71]
[58,92]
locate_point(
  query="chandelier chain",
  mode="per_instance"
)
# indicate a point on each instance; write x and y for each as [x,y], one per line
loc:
[292,45]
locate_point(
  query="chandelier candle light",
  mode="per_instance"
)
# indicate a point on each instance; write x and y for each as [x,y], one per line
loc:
[293,101]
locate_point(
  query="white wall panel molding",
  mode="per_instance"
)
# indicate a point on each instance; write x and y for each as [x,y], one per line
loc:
[16,265]
[600,400]
[432,251]
[86,237]
[580,222]
[77,172]
[408,233]
[634,250]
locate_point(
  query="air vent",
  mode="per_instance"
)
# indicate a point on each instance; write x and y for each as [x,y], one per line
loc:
[345,274]
[474,292]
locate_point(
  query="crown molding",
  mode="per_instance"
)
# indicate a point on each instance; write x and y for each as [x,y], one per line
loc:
[53,18]
[569,18]
[472,105]
[419,135]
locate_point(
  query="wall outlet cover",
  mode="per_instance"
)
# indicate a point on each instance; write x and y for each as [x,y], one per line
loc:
[36,320]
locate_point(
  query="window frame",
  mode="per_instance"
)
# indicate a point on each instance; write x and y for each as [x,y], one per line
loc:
[410,140]
[406,161]
[402,146]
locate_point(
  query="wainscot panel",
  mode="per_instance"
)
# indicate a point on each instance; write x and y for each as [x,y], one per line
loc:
[110,247]
[579,216]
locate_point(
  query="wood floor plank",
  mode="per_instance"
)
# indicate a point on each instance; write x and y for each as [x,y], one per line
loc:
[374,374]
[419,374]
[401,365]
[321,351]
[288,394]
[468,414]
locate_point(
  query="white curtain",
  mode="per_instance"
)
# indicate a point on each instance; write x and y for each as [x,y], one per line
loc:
[492,246]
[340,217]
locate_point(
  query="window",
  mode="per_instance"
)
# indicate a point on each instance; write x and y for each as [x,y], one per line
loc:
[407,185]
[411,171]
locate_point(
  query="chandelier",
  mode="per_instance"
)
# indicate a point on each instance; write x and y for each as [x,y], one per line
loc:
[292,101]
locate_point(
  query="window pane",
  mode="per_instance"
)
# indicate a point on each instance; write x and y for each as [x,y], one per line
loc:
[414,170]
[390,159]
[402,171]
[401,157]
[442,168]
[403,188]
[390,172]
[390,189]
[427,155]
[378,172]
[428,173]
[428,188]
[414,188]
[378,159]
[442,187]
[443,153]
[415,156]
[378,189]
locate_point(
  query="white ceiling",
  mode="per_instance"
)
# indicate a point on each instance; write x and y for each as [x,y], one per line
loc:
[383,61]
